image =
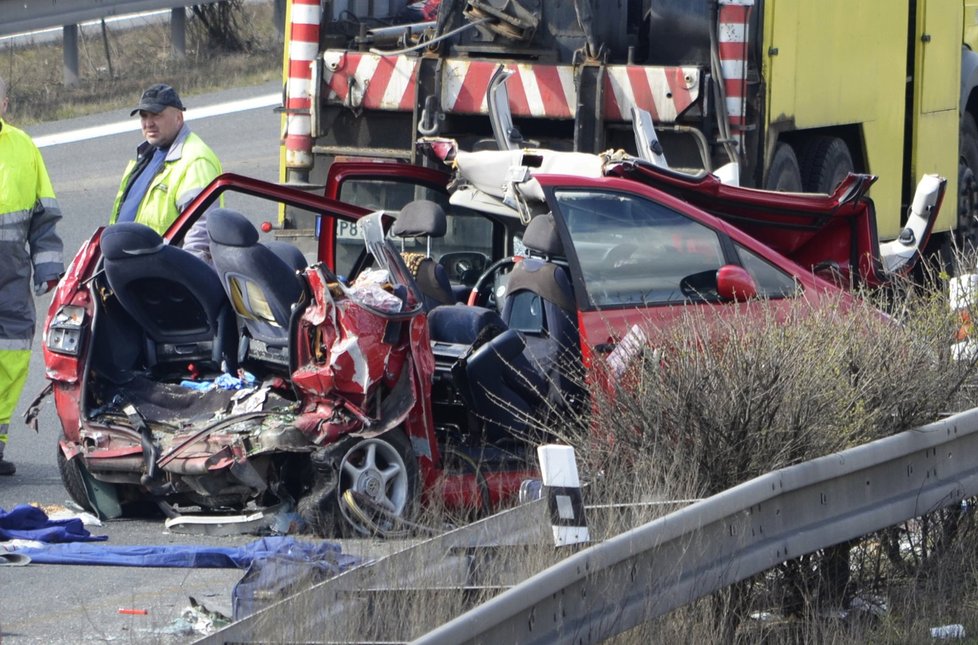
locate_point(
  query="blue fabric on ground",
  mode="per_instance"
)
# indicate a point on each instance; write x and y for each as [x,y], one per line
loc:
[189,556]
[27,522]
[284,574]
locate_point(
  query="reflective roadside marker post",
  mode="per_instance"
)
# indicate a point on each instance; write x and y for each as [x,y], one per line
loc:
[558,467]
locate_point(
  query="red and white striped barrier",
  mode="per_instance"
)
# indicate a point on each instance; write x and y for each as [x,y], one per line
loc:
[303,47]
[732,28]
[374,82]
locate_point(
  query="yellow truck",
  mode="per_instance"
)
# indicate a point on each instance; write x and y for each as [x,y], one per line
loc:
[796,92]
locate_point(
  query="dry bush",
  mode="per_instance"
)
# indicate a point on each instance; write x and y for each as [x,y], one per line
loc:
[730,398]
[727,399]
[116,65]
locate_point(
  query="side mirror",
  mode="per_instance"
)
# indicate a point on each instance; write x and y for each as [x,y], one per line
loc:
[735,284]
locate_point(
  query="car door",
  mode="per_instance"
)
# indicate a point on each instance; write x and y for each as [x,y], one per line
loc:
[641,257]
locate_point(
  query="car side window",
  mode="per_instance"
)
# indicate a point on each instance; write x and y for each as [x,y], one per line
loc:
[634,251]
[771,281]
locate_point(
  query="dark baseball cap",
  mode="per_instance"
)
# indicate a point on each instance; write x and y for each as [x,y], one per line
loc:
[157,98]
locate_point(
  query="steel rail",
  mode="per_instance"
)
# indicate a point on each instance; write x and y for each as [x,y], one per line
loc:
[648,571]
[21,17]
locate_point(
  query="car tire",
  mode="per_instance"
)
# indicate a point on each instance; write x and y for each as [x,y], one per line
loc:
[73,478]
[784,174]
[824,161]
[374,473]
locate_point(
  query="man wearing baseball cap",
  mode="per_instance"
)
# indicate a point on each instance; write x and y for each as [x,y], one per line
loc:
[171,167]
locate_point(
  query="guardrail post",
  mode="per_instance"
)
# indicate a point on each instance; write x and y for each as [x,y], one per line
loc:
[70,49]
[558,468]
[178,32]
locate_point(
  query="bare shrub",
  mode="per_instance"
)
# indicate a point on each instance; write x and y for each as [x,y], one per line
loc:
[726,398]
[222,24]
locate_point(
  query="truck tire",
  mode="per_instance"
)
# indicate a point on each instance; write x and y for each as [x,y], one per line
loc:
[967,234]
[784,173]
[824,161]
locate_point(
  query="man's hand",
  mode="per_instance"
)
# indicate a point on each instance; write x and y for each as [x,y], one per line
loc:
[44,287]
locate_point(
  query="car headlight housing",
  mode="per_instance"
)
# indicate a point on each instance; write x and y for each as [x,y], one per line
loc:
[65,331]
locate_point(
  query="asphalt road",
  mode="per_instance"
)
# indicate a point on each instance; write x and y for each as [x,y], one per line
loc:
[69,604]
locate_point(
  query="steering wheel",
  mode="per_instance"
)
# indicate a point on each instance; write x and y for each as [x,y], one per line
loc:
[616,256]
[481,293]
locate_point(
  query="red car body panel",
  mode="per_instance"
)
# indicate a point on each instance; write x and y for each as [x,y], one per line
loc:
[343,355]
[814,230]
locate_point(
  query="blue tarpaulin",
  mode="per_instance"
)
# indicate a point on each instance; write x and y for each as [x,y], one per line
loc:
[189,556]
[27,522]
[277,566]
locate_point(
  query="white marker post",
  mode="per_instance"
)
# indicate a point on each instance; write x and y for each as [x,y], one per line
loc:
[559,470]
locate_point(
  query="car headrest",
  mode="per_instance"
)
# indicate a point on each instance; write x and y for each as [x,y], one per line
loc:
[420,218]
[463,324]
[541,236]
[129,239]
[230,228]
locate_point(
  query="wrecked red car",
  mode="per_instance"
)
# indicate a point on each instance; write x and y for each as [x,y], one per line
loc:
[406,357]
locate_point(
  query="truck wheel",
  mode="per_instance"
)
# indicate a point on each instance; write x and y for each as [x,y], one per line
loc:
[378,487]
[784,174]
[824,161]
[74,480]
[968,184]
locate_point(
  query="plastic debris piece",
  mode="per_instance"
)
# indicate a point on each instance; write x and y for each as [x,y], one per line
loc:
[256,523]
[66,514]
[133,612]
[948,632]
[203,620]
[371,288]
[13,559]
[230,382]
[249,400]
[530,490]
[200,386]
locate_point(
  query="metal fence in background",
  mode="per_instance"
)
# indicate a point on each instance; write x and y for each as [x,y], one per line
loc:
[18,16]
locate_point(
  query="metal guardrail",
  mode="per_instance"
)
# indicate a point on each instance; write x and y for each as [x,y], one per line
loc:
[648,571]
[19,16]
[333,610]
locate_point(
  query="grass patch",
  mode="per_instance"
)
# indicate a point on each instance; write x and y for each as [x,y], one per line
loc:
[115,67]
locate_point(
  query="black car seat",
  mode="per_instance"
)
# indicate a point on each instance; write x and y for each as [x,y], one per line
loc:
[423,218]
[261,285]
[488,367]
[176,298]
[539,302]
[503,387]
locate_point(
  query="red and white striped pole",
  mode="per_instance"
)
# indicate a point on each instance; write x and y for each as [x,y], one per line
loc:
[732,40]
[303,47]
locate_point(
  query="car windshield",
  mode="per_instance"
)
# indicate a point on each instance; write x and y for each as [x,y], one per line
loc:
[633,251]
